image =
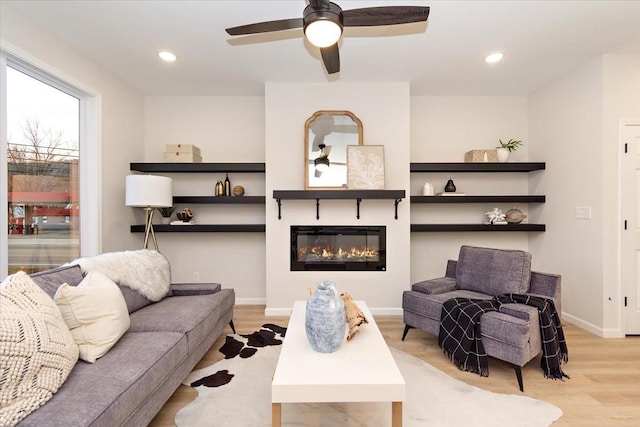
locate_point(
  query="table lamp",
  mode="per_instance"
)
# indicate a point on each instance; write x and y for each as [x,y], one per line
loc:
[149,192]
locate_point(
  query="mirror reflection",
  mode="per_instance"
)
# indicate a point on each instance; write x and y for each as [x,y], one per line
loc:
[327,135]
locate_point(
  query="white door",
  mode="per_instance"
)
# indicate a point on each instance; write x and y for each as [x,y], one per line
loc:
[630,133]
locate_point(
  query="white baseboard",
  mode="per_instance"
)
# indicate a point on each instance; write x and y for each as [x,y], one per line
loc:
[251,301]
[277,312]
[596,330]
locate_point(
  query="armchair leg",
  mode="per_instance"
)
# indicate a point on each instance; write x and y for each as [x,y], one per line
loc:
[406,329]
[233,328]
[518,370]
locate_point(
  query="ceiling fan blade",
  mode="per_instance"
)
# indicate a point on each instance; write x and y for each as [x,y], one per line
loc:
[384,15]
[265,27]
[327,150]
[331,58]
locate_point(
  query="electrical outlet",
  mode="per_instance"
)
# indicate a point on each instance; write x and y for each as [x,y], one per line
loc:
[583,212]
[196,276]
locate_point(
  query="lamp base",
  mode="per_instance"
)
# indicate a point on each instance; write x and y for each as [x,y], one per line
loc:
[148,229]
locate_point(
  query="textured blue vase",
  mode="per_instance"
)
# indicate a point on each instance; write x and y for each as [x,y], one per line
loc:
[325,319]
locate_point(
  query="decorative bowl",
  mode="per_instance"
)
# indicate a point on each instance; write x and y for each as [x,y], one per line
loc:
[238,190]
[185,215]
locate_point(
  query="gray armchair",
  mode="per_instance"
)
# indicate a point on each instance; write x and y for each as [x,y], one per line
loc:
[511,334]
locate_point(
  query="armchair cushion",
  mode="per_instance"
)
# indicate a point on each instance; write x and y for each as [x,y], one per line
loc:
[435,286]
[493,271]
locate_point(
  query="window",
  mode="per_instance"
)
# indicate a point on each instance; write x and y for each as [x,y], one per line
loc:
[44,155]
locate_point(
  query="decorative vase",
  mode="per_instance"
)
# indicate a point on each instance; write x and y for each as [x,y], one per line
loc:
[238,190]
[503,155]
[166,220]
[450,187]
[514,216]
[325,322]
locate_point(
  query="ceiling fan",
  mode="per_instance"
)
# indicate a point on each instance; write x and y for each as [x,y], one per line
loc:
[321,163]
[323,21]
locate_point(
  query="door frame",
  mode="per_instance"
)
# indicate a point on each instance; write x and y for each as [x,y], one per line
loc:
[622,124]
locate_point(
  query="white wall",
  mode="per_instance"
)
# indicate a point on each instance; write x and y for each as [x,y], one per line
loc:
[443,128]
[121,117]
[566,127]
[226,129]
[621,100]
[574,123]
[384,112]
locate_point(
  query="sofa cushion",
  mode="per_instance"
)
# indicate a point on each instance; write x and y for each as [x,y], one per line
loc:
[107,392]
[37,351]
[95,312]
[51,280]
[493,271]
[134,299]
[505,328]
[430,306]
[194,315]
[435,286]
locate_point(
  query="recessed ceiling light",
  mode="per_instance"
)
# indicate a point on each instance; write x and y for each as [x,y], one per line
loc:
[167,56]
[494,57]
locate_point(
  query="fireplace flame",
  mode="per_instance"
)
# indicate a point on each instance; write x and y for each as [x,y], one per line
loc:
[317,253]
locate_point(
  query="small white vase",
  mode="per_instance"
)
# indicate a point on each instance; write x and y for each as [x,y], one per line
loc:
[165,220]
[503,155]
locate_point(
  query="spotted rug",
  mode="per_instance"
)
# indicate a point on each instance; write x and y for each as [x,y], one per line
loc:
[236,392]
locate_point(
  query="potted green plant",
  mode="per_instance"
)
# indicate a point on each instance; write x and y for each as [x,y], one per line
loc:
[507,147]
[166,214]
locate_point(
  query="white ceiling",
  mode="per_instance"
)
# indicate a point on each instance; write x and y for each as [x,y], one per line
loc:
[542,40]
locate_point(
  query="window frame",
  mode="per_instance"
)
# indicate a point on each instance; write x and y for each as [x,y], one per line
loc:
[90,170]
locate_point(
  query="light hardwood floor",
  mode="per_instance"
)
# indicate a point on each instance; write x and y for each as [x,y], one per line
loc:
[604,389]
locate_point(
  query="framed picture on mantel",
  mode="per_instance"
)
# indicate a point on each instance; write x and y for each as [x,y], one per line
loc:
[365,167]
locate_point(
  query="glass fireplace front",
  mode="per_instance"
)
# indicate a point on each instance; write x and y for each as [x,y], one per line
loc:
[338,248]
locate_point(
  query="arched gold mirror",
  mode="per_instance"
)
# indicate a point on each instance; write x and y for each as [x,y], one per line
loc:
[327,134]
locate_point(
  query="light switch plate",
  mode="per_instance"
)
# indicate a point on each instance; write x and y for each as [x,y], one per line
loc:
[583,212]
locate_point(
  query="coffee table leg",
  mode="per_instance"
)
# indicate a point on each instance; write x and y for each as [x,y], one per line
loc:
[276,414]
[396,414]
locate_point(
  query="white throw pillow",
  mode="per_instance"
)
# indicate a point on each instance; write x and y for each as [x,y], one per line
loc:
[96,314]
[37,351]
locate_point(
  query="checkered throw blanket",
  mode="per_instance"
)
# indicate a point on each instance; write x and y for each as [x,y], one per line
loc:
[461,340]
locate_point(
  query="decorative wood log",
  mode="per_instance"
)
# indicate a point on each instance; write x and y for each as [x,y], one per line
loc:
[353,315]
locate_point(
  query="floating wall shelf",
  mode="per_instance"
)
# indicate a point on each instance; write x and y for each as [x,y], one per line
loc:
[476,227]
[200,228]
[357,195]
[204,168]
[476,167]
[478,199]
[256,200]
[198,167]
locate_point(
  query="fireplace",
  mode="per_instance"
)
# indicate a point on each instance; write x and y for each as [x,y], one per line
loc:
[338,248]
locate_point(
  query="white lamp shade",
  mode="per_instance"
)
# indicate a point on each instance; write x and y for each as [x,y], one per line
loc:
[149,191]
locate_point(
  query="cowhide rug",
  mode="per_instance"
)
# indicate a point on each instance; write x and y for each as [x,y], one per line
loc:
[236,392]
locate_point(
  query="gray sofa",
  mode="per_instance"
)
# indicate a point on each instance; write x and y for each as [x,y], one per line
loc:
[131,383]
[511,334]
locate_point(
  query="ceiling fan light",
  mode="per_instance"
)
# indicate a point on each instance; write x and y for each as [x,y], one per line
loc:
[323,32]
[321,164]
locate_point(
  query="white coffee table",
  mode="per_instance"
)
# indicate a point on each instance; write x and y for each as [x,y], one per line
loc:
[362,370]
